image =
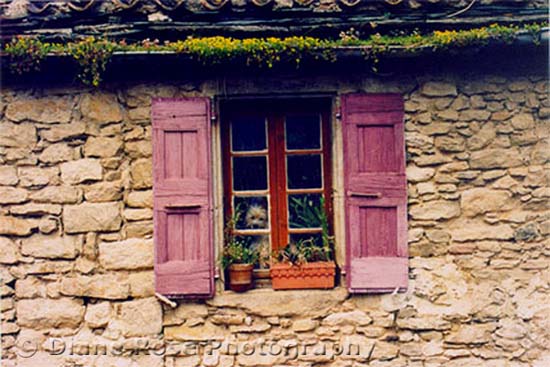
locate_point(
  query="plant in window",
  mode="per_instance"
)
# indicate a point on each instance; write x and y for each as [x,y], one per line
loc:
[304,251]
[238,256]
[309,214]
[307,262]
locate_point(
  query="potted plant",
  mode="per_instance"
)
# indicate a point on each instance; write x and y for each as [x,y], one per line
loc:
[238,258]
[306,264]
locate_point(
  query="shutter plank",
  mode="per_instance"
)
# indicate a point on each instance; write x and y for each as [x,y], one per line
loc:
[378,274]
[376,193]
[184,260]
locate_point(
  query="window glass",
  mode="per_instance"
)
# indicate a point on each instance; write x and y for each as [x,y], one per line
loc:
[248,134]
[303,132]
[304,171]
[304,211]
[249,173]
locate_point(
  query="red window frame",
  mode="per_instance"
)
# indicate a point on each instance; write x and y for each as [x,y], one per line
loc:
[275,112]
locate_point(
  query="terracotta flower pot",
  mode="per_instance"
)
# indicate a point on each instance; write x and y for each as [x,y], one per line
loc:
[240,277]
[304,276]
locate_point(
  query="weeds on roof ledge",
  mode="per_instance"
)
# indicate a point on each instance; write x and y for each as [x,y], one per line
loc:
[93,54]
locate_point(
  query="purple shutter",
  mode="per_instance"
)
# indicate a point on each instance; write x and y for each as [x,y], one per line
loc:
[184,253]
[376,192]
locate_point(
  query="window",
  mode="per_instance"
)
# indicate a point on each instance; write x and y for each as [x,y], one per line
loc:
[277,169]
[277,161]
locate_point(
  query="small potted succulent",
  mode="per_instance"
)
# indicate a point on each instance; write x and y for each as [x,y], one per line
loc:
[238,258]
[306,263]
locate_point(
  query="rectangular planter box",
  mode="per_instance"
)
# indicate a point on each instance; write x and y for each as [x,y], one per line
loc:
[315,275]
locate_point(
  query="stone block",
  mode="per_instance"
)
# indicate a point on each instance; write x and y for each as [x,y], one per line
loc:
[51,247]
[438,89]
[347,318]
[435,210]
[103,192]
[140,199]
[138,214]
[495,158]
[418,174]
[9,251]
[12,195]
[470,230]
[523,121]
[17,135]
[55,153]
[105,286]
[98,314]
[30,287]
[142,284]
[57,195]
[206,332]
[61,132]
[41,313]
[38,176]
[138,149]
[471,334]
[289,303]
[89,217]
[47,110]
[82,170]
[481,200]
[36,209]
[138,317]
[16,226]
[101,108]
[141,172]
[102,147]
[8,176]
[129,254]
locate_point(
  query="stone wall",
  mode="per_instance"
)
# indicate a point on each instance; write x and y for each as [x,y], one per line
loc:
[76,255]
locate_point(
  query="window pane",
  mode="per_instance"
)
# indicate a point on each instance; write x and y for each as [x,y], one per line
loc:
[303,132]
[252,212]
[304,171]
[249,173]
[304,211]
[248,134]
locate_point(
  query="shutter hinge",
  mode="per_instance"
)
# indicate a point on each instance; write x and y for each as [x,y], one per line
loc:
[338,115]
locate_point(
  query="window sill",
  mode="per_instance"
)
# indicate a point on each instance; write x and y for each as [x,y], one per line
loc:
[268,302]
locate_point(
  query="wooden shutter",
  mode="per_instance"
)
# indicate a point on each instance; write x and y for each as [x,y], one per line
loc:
[376,192]
[184,254]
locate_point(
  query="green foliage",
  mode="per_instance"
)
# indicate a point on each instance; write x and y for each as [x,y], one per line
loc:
[306,213]
[308,250]
[304,251]
[239,252]
[93,54]
[26,54]
[255,51]
[237,249]
[534,30]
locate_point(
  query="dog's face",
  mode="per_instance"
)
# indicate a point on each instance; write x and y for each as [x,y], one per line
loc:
[256,217]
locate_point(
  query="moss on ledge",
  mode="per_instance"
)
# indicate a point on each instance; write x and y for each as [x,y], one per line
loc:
[93,54]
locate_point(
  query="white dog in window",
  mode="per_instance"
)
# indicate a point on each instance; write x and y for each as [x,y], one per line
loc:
[256,218]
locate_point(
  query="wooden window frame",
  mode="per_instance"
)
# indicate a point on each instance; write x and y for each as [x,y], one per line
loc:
[275,111]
